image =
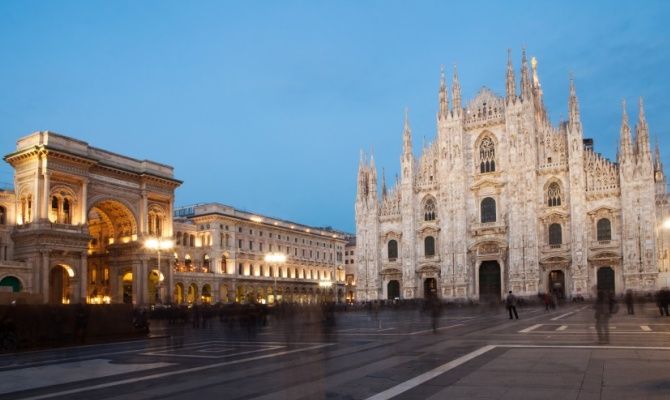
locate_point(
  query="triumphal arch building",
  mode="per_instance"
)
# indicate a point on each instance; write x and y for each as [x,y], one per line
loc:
[80,217]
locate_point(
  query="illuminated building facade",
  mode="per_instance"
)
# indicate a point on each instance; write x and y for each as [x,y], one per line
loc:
[502,200]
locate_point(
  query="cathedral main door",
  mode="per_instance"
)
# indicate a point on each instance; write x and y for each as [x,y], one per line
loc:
[393,289]
[557,283]
[429,287]
[489,281]
[606,279]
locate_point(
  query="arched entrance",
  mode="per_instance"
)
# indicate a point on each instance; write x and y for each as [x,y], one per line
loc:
[557,283]
[192,295]
[127,287]
[393,289]
[12,283]
[606,279]
[113,228]
[206,294]
[429,287]
[489,281]
[179,293]
[59,284]
[154,286]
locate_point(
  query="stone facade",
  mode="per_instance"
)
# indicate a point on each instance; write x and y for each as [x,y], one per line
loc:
[502,200]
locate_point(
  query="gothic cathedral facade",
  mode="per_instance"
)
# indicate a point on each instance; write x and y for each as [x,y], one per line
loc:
[502,200]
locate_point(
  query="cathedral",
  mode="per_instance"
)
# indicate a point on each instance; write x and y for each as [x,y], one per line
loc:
[503,200]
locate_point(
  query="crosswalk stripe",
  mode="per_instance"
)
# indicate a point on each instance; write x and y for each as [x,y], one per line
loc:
[562,328]
[645,328]
[530,328]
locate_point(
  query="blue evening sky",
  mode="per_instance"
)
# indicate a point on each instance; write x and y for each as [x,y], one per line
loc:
[264,105]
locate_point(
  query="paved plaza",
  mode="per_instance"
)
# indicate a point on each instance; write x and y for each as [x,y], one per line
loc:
[475,353]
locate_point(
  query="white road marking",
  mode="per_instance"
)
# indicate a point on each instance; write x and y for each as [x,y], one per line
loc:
[530,328]
[172,373]
[57,374]
[558,346]
[425,377]
[645,328]
[568,313]
[562,328]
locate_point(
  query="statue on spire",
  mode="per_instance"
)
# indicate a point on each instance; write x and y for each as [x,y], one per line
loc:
[525,77]
[625,142]
[444,99]
[456,93]
[509,83]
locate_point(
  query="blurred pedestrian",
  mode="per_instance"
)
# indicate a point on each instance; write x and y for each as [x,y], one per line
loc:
[663,300]
[511,301]
[603,312]
[629,298]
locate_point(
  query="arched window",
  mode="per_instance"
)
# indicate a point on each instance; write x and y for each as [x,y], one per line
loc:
[178,238]
[66,211]
[429,246]
[192,240]
[487,156]
[555,235]
[604,229]
[554,195]
[224,264]
[205,262]
[429,210]
[488,210]
[3,215]
[392,250]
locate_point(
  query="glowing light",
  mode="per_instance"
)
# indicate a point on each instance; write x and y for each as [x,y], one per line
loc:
[666,224]
[277,258]
[158,244]
[325,284]
[256,219]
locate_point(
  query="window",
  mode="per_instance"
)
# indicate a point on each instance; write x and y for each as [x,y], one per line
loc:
[487,154]
[429,246]
[251,245]
[392,250]
[239,229]
[239,243]
[3,215]
[555,235]
[192,240]
[604,227]
[429,210]
[554,195]
[260,246]
[488,210]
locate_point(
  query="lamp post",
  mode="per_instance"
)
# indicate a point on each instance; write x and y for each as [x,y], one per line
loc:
[275,259]
[158,244]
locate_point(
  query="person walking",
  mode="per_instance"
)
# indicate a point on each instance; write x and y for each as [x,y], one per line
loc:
[510,301]
[603,312]
[630,302]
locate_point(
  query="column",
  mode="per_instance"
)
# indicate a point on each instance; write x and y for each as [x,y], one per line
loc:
[137,283]
[83,202]
[144,282]
[83,277]
[44,204]
[142,228]
[43,275]
[169,281]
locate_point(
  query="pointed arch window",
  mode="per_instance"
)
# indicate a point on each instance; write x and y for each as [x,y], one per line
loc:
[487,155]
[392,250]
[429,213]
[488,210]
[555,235]
[604,227]
[429,246]
[554,195]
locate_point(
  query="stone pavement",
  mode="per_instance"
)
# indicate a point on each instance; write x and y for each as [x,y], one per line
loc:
[572,372]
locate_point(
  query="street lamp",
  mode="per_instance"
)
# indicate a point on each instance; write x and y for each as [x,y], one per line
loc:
[158,244]
[277,259]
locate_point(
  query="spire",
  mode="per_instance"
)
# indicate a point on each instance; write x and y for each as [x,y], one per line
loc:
[510,84]
[525,77]
[625,144]
[456,92]
[573,106]
[642,134]
[362,177]
[406,136]
[373,176]
[658,164]
[444,99]
[383,183]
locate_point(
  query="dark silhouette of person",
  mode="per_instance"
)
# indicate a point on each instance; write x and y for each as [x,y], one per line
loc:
[603,312]
[511,301]
[663,301]
[629,298]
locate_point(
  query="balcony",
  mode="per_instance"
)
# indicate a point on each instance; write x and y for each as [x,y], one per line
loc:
[488,228]
[556,248]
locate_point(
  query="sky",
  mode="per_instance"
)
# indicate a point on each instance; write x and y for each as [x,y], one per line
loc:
[265,105]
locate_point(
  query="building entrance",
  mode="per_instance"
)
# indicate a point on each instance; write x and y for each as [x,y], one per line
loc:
[393,289]
[557,283]
[429,288]
[606,279]
[489,281]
